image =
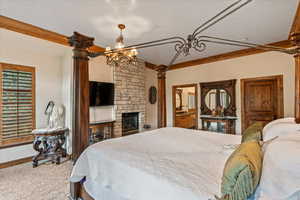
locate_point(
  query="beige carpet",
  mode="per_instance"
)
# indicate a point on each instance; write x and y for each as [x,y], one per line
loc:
[46,182]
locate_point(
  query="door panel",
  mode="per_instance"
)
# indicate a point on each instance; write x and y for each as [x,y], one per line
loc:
[262,100]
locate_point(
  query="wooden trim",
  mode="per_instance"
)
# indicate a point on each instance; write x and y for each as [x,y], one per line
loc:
[296,24]
[23,139]
[226,56]
[1,91]
[174,100]
[28,29]
[150,65]
[35,31]
[280,102]
[15,162]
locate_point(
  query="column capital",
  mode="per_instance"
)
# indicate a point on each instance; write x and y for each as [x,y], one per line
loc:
[295,40]
[79,41]
[161,69]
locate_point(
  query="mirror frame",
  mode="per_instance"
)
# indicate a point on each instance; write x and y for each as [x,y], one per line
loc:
[228,86]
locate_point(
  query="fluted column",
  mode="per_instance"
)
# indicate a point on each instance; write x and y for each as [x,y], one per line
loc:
[295,39]
[161,103]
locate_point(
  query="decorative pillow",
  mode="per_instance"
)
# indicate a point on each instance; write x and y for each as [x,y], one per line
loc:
[281,129]
[253,132]
[280,177]
[281,120]
[242,172]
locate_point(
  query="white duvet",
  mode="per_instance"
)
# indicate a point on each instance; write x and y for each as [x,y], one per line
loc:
[164,164]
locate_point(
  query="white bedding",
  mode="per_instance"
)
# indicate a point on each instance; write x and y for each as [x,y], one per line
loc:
[164,164]
[280,178]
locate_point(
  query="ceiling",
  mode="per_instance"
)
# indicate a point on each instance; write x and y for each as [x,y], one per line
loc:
[261,21]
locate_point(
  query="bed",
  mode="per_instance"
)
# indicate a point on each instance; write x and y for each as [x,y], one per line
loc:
[176,164]
[163,164]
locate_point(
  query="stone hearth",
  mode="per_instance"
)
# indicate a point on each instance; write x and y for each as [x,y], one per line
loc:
[130,94]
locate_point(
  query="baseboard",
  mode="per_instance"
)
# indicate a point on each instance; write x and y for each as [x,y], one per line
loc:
[15,162]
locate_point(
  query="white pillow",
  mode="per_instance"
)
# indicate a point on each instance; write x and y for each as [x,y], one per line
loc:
[281,120]
[280,173]
[280,128]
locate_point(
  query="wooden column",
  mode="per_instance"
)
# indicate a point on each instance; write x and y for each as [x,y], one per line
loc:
[81,99]
[295,38]
[80,92]
[161,94]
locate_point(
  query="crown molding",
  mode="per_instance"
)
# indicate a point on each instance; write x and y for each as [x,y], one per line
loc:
[35,31]
[296,24]
[226,56]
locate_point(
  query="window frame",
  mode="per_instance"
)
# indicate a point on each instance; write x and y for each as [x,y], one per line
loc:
[20,140]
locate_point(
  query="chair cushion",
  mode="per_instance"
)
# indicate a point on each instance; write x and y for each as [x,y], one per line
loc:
[242,172]
[253,132]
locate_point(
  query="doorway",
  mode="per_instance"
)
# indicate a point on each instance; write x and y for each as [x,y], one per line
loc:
[185,106]
[261,99]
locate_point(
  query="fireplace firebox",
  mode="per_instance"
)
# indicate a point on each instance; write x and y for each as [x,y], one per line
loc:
[130,123]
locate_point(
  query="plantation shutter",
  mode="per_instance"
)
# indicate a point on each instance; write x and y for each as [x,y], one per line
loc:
[17,103]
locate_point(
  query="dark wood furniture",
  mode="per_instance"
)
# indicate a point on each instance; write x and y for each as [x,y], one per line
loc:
[49,145]
[218,124]
[261,100]
[228,86]
[218,106]
[95,136]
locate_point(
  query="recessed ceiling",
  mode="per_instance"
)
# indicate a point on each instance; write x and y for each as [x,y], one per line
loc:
[261,21]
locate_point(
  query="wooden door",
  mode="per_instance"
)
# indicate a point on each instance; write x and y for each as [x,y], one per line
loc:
[262,100]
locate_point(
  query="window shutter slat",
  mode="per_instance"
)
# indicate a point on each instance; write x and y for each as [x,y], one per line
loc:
[17,103]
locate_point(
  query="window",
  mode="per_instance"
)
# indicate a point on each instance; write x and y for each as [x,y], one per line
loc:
[17,104]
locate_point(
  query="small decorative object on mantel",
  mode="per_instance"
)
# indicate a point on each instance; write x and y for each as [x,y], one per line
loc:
[49,141]
[152,94]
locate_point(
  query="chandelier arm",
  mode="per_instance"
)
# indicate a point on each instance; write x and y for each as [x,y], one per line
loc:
[247,44]
[178,39]
[152,45]
[198,31]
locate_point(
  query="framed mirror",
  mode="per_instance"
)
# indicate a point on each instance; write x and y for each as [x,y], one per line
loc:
[215,97]
[218,95]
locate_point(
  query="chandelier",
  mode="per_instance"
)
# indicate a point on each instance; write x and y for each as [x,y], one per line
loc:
[182,46]
[120,55]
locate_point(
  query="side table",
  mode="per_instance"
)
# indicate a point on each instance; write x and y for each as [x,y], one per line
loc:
[49,144]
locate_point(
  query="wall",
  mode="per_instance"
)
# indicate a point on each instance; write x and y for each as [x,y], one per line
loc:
[101,72]
[151,109]
[258,65]
[46,57]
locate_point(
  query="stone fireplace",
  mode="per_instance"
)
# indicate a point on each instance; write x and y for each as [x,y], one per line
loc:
[130,123]
[130,95]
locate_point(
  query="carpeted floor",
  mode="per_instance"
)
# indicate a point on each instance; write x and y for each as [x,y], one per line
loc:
[46,182]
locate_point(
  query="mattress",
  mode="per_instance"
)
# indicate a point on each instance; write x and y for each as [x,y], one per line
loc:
[163,164]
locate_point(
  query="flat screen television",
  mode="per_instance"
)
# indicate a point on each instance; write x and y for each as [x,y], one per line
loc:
[101,94]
